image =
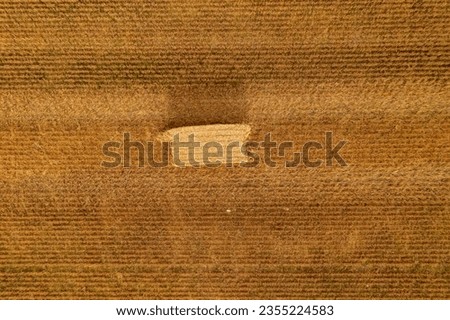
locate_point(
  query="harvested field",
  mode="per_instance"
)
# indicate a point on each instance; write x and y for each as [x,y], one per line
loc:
[77,74]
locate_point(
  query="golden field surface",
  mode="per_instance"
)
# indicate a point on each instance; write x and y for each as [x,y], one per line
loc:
[77,74]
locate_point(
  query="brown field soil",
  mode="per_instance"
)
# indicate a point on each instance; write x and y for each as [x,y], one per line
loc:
[74,75]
